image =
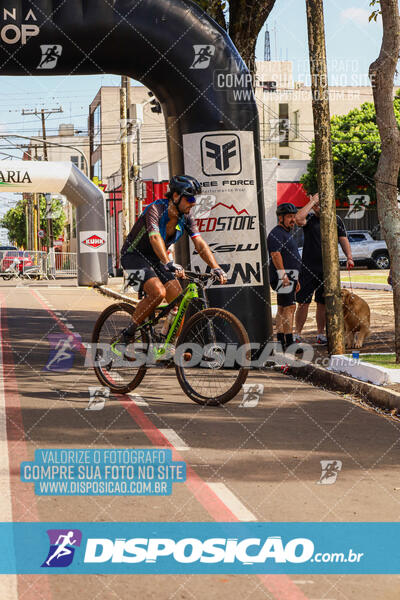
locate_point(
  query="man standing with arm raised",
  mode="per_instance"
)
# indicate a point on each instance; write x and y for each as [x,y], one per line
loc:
[311,275]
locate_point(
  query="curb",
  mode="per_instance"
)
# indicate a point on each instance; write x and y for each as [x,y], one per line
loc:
[336,382]
[106,291]
[367,286]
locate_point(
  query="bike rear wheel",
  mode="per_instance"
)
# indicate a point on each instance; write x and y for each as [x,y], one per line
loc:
[117,372]
[212,357]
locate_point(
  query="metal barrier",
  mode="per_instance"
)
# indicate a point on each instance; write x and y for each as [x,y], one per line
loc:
[34,264]
[10,263]
[37,265]
[62,263]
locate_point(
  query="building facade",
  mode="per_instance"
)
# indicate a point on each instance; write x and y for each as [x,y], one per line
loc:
[105,132]
[285,109]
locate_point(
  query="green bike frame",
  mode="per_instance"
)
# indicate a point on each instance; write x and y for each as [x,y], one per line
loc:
[190,293]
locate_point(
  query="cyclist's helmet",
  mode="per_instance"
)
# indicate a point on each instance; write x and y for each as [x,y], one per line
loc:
[185,185]
[286,208]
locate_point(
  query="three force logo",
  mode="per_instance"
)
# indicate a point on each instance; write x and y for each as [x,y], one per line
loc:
[62,547]
[221,155]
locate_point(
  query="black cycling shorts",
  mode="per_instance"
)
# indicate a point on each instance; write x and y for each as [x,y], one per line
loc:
[309,283]
[286,296]
[146,267]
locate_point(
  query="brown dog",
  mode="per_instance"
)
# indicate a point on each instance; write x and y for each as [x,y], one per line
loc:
[356,319]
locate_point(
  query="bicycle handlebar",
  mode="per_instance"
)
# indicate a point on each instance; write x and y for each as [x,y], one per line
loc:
[200,276]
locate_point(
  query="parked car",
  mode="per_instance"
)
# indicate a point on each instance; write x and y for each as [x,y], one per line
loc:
[366,250]
[24,260]
[3,248]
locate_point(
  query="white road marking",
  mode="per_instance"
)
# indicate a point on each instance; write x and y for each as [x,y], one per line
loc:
[69,326]
[174,439]
[8,583]
[138,399]
[231,501]
[303,581]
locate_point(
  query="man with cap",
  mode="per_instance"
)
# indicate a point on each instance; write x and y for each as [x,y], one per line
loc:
[284,267]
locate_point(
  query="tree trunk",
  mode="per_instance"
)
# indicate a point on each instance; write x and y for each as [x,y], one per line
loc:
[246,18]
[381,73]
[326,187]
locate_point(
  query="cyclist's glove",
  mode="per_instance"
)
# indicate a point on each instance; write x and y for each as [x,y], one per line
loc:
[219,273]
[171,266]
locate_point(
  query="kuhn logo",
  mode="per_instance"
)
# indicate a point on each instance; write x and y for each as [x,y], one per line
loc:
[62,547]
[221,155]
[94,241]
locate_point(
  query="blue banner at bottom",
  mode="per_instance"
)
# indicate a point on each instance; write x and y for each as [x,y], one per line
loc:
[200,548]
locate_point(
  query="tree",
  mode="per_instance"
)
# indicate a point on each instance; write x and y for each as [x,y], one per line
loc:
[381,73]
[243,20]
[15,221]
[356,151]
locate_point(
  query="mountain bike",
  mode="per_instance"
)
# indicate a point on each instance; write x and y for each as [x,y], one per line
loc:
[210,349]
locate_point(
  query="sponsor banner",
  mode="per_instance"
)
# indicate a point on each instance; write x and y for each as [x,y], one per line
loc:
[224,163]
[92,241]
[34,176]
[199,548]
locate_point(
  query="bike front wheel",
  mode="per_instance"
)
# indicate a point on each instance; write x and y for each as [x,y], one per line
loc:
[212,357]
[117,366]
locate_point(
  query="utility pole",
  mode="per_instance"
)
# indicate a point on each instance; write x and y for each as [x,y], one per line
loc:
[43,113]
[139,164]
[131,187]
[326,187]
[124,160]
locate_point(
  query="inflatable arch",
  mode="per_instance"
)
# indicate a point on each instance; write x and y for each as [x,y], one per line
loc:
[196,73]
[65,178]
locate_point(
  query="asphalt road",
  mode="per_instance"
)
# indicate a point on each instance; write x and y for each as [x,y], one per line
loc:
[259,463]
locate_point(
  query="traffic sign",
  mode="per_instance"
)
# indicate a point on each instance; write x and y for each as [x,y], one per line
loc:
[40,233]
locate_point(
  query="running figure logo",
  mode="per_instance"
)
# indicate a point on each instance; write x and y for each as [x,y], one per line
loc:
[62,547]
[50,55]
[62,351]
[357,206]
[202,56]
[251,394]
[330,470]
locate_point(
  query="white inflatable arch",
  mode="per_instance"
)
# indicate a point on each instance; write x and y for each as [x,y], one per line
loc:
[65,178]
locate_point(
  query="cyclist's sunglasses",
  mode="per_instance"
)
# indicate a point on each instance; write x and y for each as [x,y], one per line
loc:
[190,199]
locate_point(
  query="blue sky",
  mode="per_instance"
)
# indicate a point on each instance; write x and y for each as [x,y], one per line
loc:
[352,44]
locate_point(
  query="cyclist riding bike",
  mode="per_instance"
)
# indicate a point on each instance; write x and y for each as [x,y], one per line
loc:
[145,250]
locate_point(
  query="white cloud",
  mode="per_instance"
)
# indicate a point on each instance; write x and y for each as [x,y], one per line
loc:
[357,15]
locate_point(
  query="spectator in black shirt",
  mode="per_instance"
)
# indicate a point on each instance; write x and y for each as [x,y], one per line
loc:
[284,267]
[311,276]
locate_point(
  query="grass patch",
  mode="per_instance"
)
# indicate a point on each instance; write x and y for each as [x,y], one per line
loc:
[365,278]
[382,360]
